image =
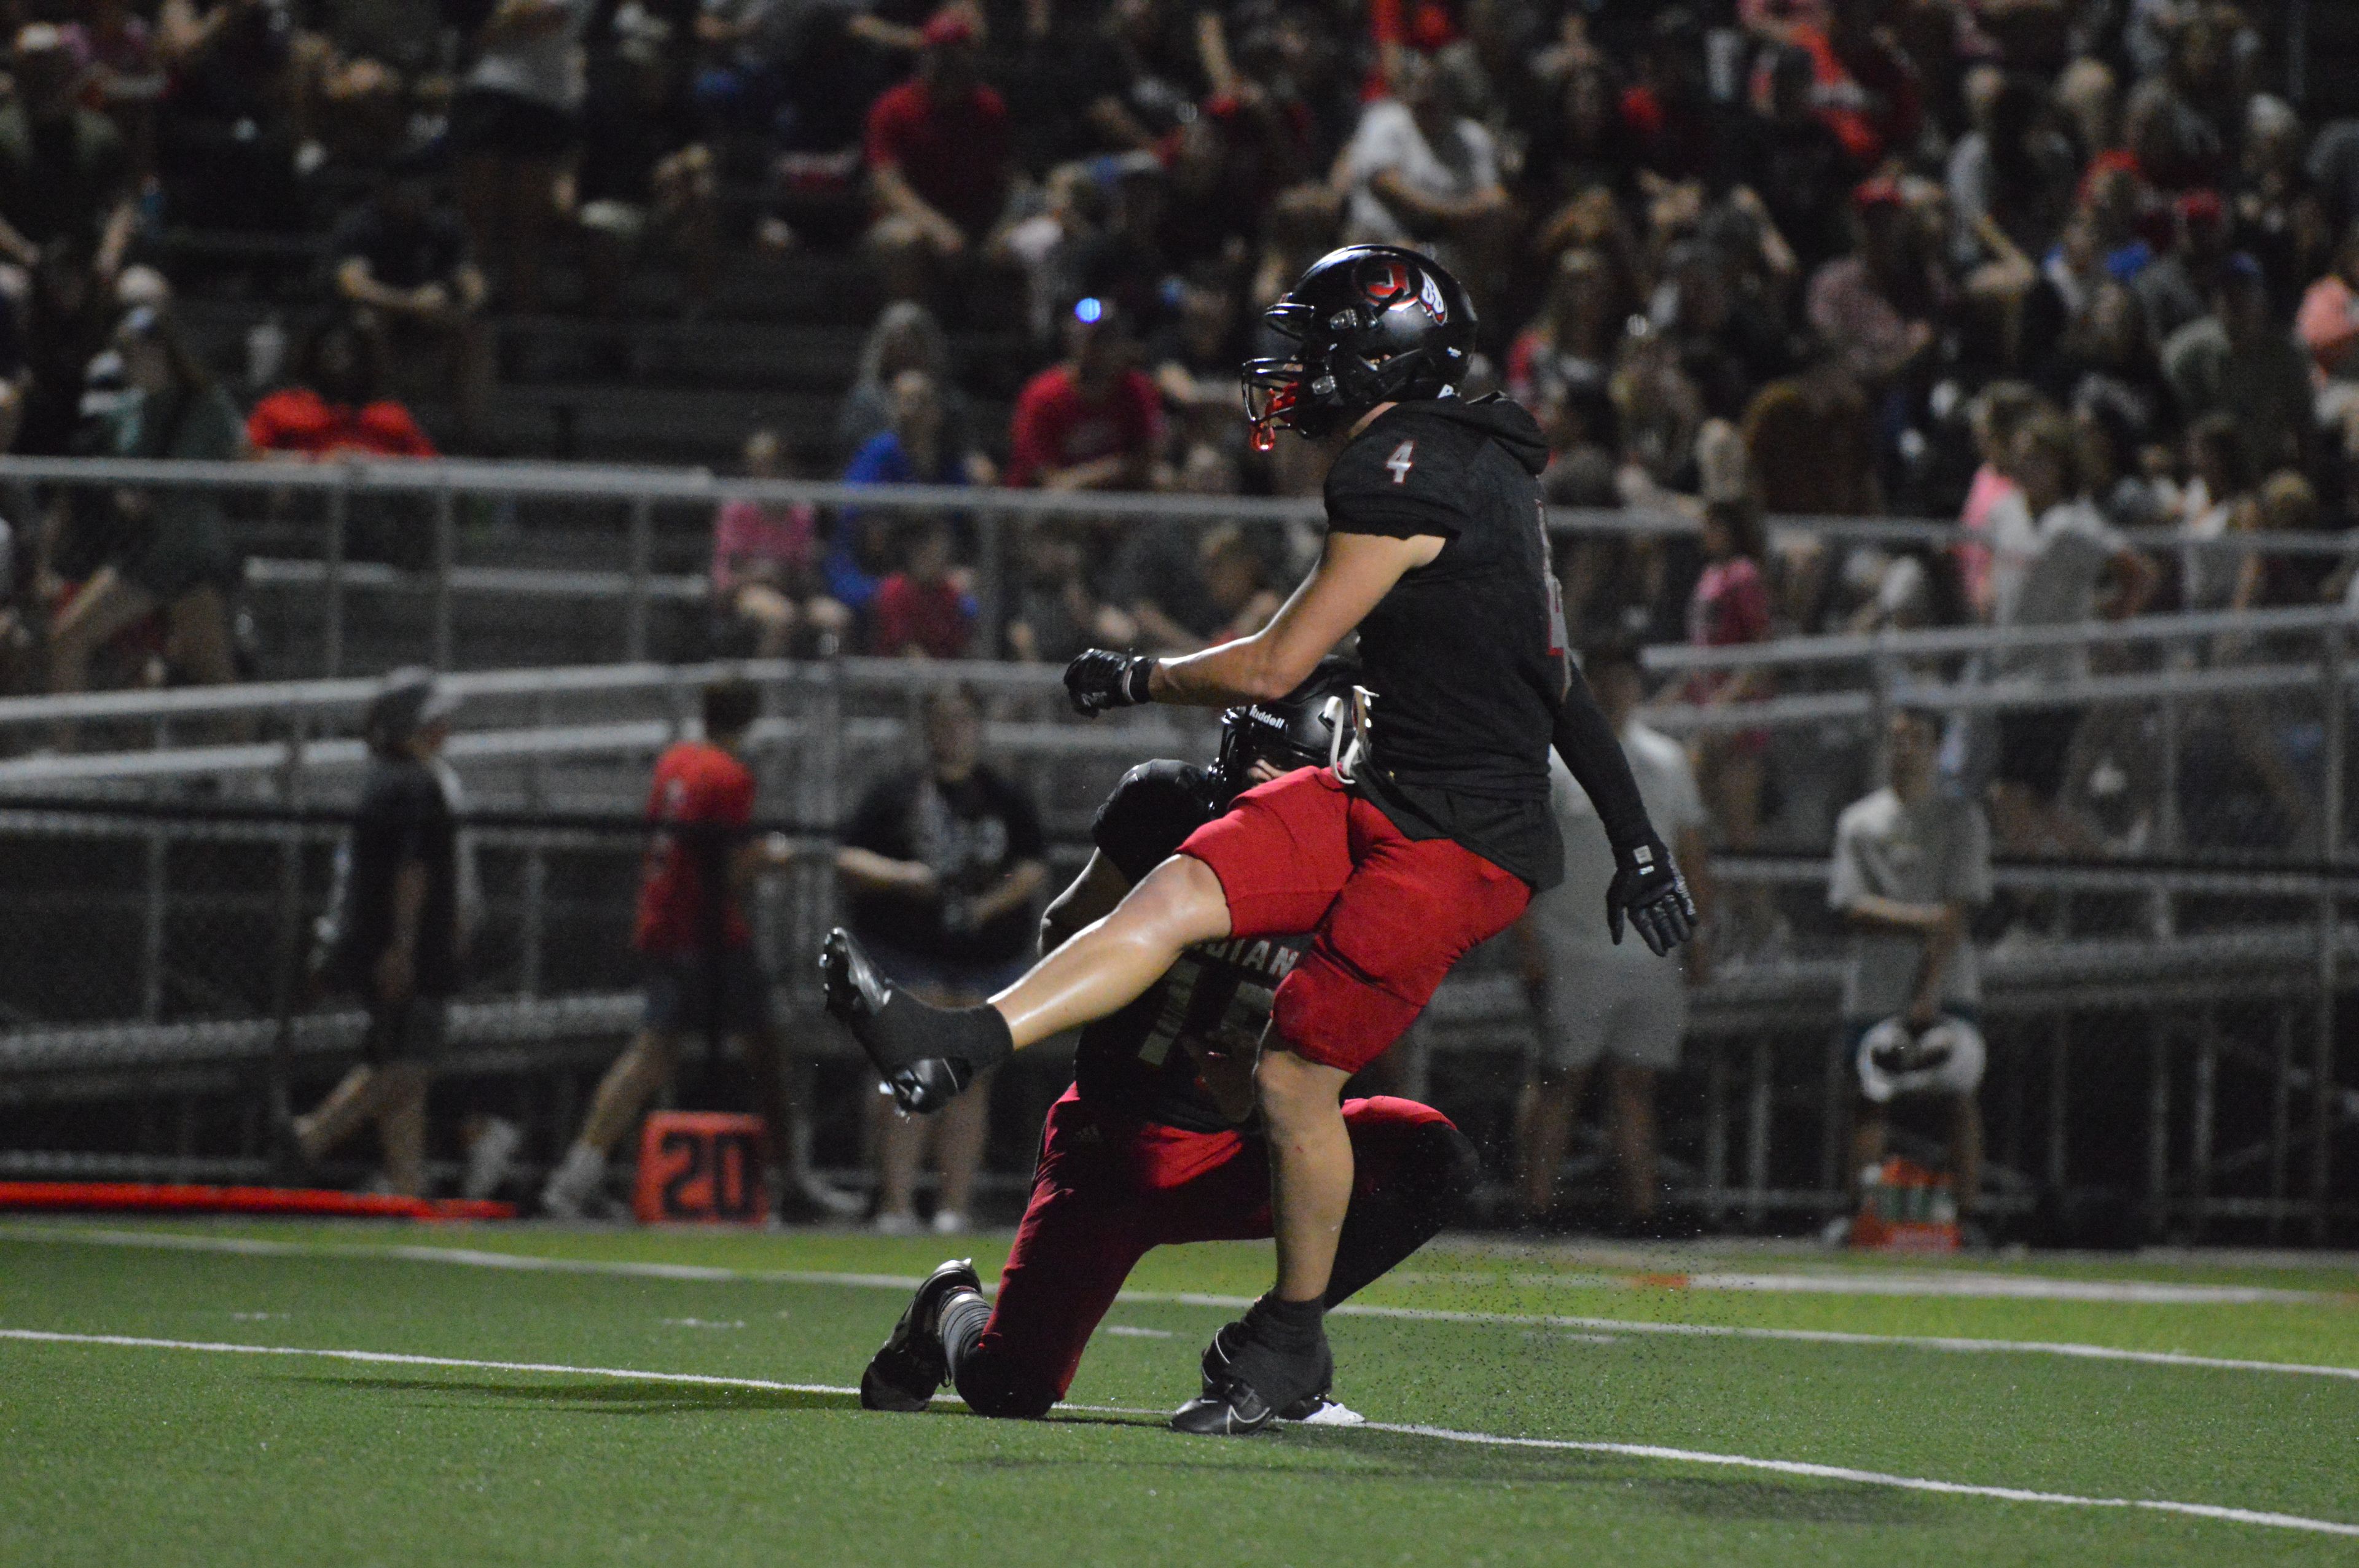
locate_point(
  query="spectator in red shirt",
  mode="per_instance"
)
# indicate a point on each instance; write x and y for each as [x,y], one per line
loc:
[338,407]
[703,977]
[938,157]
[337,404]
[924,609]
[1093,420]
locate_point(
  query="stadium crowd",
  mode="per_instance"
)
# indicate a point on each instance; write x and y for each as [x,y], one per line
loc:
[2066,272]
[1819,257]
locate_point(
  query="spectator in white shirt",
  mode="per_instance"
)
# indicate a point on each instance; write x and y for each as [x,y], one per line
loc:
[1910,866]
[2056,562]
[1419,173]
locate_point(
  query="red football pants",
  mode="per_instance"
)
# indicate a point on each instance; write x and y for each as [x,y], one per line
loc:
[1108,1190]
[1388,914]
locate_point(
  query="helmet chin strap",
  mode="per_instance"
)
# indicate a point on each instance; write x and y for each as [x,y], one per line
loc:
[1265,425]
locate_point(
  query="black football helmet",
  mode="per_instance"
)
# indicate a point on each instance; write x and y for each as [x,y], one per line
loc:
[1300,729]
[1370,324]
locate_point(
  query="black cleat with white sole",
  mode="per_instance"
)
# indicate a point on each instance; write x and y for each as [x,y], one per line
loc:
[904,1375]
[1249,1384]
[1316,1409]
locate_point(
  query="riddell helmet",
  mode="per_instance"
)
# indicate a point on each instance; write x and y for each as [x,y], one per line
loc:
[1300,730]
[1370,324]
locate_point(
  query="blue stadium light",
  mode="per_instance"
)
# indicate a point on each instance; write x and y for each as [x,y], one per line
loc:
[1089,311]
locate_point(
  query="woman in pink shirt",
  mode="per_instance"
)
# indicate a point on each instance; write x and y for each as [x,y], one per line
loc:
[1998,414]
[766,582]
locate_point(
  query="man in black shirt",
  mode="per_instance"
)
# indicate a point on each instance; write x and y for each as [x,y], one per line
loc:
[403,255]
[1155,1143]
[391,935]
[940,865]
[1430,836]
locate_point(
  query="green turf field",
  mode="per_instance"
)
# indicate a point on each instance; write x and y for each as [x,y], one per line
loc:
[573,1449]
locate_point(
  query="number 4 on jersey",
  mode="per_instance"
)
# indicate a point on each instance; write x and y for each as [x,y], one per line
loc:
[1404,458]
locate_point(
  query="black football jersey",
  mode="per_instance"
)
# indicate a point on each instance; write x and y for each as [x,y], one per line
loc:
[1467,654]
[1136,1062]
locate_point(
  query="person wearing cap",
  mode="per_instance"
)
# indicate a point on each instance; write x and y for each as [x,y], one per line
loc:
[938,154]
[391,935]
[2177,289]
[1876,307]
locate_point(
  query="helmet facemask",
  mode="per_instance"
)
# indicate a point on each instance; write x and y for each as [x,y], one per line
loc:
[1365,326]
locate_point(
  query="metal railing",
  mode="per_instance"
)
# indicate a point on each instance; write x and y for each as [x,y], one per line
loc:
[626,570]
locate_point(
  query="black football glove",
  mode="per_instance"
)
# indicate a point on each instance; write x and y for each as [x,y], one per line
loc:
[1648,890]
[1101,678]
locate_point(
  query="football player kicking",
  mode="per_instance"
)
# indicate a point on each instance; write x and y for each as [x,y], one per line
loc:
[1432,837]
[1155,1143]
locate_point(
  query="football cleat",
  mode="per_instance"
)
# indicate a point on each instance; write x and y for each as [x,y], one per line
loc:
[1218,1370]
[904,1375]
[857,995]
[1237,1369]
[921,1081]
[1235,1410]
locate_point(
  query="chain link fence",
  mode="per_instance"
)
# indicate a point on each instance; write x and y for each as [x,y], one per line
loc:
[2164,1036]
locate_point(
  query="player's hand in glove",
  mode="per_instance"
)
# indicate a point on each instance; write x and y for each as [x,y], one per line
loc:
[1101,678]
[1648,892]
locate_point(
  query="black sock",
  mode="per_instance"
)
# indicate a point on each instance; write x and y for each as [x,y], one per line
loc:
[1288,1325]
[984,1040]
[908,1031]
[1427,1190]
[962,1320]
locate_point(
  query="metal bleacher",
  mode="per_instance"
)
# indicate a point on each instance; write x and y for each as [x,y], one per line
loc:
[775,346]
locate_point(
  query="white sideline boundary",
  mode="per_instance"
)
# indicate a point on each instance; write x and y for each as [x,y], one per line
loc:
[1438,1434]
[475,1257]
[1944,1285]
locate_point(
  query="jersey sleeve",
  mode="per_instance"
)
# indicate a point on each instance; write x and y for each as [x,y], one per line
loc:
[1399,482]
[1846,878]
[1149,815]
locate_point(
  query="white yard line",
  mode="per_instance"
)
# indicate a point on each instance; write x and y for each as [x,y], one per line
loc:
[477,1259]
[1959,1284]
[397,1358]
[1947,1343]
[1438,1434]
[1875,1477]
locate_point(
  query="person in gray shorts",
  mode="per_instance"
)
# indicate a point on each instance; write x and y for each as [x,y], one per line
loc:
[1593,998]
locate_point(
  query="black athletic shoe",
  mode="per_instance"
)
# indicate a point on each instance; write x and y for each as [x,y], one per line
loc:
[1248,1385]
[1217,1370]
[858,993]
[904,1375]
